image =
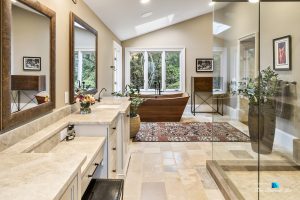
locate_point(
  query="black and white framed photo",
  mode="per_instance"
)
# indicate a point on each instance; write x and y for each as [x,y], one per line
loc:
[204,65]
[32,63]
[282,53]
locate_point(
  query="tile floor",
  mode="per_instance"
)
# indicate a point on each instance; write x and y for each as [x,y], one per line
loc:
[177,171]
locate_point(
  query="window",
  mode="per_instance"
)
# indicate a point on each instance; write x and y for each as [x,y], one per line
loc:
[146,68]
[84,70]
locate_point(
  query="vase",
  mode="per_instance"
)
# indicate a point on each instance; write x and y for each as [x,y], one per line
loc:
[135,123]
[85,108]
[262,126]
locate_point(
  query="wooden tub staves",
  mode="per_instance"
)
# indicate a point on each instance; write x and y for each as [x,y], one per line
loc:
[163,108]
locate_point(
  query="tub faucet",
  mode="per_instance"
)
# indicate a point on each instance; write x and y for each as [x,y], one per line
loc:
[99,97]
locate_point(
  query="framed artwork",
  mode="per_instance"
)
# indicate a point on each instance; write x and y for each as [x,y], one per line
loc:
[204,65]
[282,53]
[32,63]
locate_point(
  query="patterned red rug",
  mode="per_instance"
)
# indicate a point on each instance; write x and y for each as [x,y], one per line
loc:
[189,132]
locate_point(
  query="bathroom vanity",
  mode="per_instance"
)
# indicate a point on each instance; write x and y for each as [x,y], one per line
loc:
[46,166]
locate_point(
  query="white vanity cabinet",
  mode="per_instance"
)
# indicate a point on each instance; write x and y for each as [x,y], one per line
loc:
[73,191]
[123,142]
[116,145]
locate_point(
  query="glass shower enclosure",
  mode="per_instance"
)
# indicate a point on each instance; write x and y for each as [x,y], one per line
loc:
[256,71]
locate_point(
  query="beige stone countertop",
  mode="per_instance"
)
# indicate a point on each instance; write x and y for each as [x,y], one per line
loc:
[30,176]
[90,146]
[98,116]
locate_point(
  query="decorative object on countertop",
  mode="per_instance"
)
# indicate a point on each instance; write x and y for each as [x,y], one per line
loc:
[85,102]
[261,93]
[189,132]
[135,97]
[70,133]
[282,53]
[204,65]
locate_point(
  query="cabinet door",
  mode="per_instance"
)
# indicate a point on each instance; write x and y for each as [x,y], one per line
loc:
[112,155]
[72,191]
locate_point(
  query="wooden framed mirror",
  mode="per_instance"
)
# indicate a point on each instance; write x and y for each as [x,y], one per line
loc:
[83,57]
[27,61]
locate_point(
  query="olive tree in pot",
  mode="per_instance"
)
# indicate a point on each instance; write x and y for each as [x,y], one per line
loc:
[261,93]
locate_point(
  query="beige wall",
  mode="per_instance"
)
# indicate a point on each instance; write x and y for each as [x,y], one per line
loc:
[275,24]
[195,35]
[105,45]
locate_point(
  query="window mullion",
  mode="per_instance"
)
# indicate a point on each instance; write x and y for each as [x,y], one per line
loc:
[164,70]
[146,64]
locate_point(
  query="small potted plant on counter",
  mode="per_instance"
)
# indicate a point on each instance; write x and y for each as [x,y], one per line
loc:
[133,93]
[261,93]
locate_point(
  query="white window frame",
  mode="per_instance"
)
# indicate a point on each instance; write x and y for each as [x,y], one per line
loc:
[118,71]
[223,70]
[163,50]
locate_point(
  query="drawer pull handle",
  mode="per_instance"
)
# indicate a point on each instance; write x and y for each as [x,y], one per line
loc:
[90,176]
[114,171]
[97,164]
[114,128]
[128,115]
[114,148]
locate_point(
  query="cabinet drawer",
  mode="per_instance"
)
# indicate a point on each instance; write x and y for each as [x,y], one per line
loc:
[88,176]
[113,126]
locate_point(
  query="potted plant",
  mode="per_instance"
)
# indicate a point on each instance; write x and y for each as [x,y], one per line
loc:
[133,93]
[261,93]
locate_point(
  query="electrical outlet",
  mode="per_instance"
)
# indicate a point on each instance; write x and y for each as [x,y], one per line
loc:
[66,97]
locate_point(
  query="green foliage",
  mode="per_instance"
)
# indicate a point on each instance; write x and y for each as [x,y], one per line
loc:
[133,93]
[260,90]
[137,69]
[88,71]
[155,69]
[173,70]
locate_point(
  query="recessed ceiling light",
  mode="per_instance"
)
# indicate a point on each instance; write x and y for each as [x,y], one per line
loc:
[212,3]
[148,14]
[253,1]
[144,1]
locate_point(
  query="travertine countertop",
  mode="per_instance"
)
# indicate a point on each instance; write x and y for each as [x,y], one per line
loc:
[90,146]
[45,176]
[30,176]
[98,116]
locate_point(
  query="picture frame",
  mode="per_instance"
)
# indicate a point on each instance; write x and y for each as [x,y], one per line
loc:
[32,63]
[282,53]
[204,65]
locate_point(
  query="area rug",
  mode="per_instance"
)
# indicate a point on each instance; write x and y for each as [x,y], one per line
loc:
[189,132]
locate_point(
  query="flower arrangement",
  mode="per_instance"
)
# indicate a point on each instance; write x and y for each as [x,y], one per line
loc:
[260,90]
[85,102]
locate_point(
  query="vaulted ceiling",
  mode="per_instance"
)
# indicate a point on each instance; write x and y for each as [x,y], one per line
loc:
[131,18]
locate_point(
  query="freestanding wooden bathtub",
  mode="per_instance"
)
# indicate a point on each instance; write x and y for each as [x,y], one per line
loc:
[163,108]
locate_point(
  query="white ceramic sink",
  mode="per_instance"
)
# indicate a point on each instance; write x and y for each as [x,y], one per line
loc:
[108,106]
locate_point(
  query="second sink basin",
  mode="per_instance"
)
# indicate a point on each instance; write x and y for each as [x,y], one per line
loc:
[108,106]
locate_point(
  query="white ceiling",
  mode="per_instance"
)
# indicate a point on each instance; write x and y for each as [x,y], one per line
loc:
[122,16]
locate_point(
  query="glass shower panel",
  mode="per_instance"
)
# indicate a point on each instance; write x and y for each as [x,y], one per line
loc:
[279,136]
[235,164]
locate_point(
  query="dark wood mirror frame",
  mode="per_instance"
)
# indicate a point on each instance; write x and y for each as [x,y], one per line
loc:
[74,18]
[8,119]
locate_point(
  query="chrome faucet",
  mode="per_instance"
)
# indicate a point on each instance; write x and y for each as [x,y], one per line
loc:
[99,97]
